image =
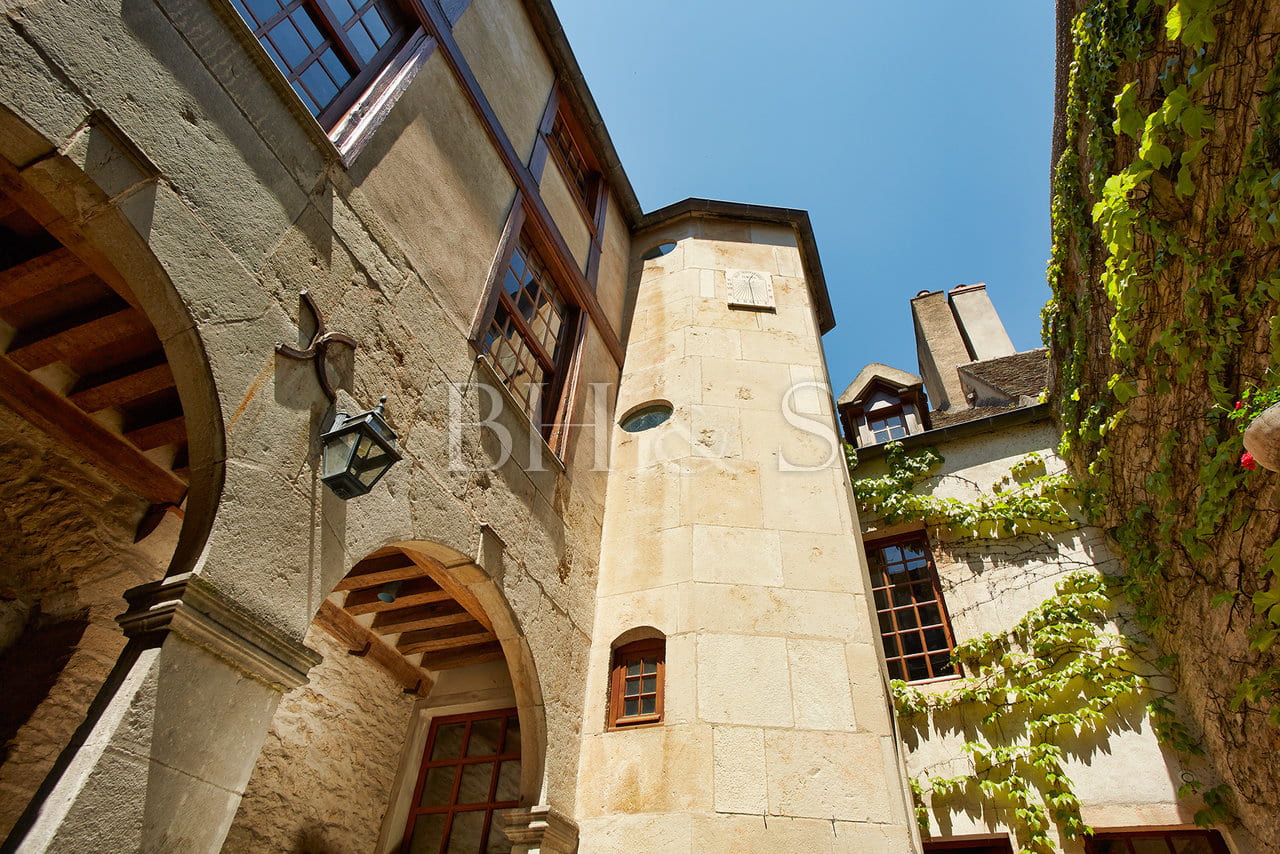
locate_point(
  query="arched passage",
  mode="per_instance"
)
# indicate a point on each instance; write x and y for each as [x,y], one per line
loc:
[419,647]
[106,485]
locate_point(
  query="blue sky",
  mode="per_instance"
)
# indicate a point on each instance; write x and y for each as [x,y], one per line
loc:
[916,134]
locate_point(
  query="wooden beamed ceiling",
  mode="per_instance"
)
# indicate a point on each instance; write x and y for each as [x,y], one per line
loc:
[81,361]
[432,624]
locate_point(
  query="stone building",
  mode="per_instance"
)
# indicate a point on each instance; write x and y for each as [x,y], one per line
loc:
[611,595]
[993,436]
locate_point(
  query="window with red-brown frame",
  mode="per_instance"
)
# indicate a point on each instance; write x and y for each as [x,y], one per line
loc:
[914,626]
[328,50]
[529,332]
[470,768]
[636,683]
[577,163]
[1156,842]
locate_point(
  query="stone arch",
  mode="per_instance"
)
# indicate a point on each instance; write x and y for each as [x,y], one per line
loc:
[94,193]
[86,203]
[441,601]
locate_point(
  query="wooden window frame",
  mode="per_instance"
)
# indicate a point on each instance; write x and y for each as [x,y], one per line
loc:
[622,656]
[921,538]
[594,207]
[426,764]
[552,416]
[899,409]
[1216,843]
[336,36]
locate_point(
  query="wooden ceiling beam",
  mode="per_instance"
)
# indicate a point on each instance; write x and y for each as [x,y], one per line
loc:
[418,617]
[93,332]
[39,275]
[360,641]
[416,591]
[465,657]
[440,575]
[66,423]
[444,638]
[377,571]
[124,389]
[172,431]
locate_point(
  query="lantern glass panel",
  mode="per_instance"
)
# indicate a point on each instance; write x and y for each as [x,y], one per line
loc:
[337,451]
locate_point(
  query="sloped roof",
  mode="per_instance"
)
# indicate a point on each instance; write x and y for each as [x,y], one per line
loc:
[1019,375]
[940,418]
[875,371]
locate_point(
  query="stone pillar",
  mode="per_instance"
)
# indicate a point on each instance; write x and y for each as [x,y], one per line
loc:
[163,760]
[729,530]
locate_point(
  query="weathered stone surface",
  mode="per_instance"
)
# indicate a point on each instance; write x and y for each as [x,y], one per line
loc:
[323,779]
[66,532]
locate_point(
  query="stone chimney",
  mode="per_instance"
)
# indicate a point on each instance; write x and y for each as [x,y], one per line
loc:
[940,347]
[979,323]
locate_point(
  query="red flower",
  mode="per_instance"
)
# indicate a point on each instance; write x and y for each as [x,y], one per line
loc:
[1239,404]
[1246,460]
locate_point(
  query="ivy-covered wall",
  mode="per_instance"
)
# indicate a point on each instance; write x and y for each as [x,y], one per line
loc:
[1066,717]
[1166,279]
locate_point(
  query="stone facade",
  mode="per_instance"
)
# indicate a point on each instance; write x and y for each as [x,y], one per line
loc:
[230,681]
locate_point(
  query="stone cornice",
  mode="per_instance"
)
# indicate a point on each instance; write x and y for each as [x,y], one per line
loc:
[195,611]
[540,828]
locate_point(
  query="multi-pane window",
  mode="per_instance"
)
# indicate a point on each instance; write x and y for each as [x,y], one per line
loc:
[577,169]
[526,334]
[328,50]
[636,688]
[913,620]
[471,767]
[1157,842]
[888,425]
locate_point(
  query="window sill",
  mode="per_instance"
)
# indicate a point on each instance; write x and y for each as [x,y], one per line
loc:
[936,684]
[352,132]
[623,727]
[515,404]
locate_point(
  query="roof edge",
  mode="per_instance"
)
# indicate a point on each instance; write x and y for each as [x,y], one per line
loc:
[1012,418]
[794,217]
[548,25]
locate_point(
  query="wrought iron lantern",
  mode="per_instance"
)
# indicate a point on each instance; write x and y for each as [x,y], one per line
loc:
[357,451]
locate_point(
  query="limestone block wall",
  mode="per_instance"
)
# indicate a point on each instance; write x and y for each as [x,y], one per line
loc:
[728,529]
[1123,777]
[66,556]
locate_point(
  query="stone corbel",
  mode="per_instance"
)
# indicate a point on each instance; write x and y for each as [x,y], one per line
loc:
[539,829]
[195,611]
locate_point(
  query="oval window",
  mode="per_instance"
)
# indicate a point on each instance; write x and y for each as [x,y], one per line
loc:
[658,251]
[646,417]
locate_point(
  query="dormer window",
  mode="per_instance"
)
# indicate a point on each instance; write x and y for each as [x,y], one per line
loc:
[883,405]
[887,425]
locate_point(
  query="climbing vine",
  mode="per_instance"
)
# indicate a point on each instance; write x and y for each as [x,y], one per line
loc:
[1029,499]
[1185,259]
[1056,678]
